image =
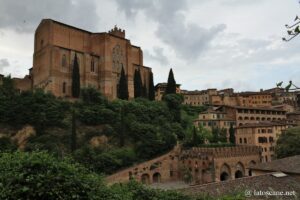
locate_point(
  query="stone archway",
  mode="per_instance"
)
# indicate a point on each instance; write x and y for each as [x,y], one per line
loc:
[238,174]
[239,170]
[225,172]
[145,179]
[156,177]
[224,176]
[251,164]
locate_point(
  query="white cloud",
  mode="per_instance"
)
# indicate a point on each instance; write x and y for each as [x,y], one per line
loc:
[208,43]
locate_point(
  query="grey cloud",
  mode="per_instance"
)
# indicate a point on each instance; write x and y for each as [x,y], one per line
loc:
[187,39]
[240,2]
[23,16]
[3,63]
[158,55]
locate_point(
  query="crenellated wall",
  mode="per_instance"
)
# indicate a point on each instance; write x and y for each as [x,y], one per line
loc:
[205,165]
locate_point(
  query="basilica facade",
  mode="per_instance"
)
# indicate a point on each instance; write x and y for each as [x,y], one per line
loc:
[101,56]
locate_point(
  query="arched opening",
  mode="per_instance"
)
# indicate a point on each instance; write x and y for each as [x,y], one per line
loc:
[251,164]
[240,170]
[225,172]
[92,65]
[145,179]
[238,174]
[250,172]
[64,87]
[156,177]
[64,60]
[224,176]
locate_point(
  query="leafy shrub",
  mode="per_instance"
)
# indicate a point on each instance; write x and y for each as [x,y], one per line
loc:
[39,175]
[7,145]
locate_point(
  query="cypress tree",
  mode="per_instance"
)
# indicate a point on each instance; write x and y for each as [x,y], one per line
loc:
[231,134]
[151,88]
[123,86]
[194,136]
[137,84]
[144,91]
[123,128]
[75,78]
[73,134]
[171,85]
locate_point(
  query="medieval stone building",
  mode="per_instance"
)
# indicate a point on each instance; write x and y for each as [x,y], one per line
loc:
[204,165]
[101,57]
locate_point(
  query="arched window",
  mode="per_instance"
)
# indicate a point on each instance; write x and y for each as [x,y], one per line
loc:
[64,87]
[92,65]
[64,60]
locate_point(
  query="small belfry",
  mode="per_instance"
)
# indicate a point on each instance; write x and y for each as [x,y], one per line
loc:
[117,32]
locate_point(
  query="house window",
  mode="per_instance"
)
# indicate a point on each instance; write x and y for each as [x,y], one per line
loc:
[245,140]
[64,60]
[42,43]
[64,87]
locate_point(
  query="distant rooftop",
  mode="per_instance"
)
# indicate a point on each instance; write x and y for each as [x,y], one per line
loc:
[263,124]
[286,165]
[254,108]
[267,182]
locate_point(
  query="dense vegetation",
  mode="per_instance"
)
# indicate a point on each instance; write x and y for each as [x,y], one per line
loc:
[288,143]
[63,156]
[38,175]
[132,131]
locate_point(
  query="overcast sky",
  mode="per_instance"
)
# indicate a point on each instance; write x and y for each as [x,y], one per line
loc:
[208,43]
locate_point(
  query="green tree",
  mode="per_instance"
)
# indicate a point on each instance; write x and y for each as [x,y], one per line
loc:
[137,84]
[73,132]
[151,92]
[75,78]
[122,134]
[231,134]
[7,145]
[174,102]
[90,95]
[144,91]
[123,86]
[288,143]
[38,175]
[7,88]
[171,85]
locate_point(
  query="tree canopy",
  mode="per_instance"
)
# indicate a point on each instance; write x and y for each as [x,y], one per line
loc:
[288,143]
[151,88]
[123,86]
[171,85]
[75,78]
[138,85]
